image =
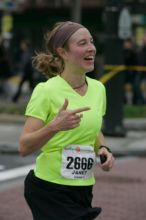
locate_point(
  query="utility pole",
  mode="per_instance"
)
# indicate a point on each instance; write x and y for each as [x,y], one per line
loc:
[76,10]
[113,124]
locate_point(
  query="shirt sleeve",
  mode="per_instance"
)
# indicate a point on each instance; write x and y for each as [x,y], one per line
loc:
[104,101]
[39,104]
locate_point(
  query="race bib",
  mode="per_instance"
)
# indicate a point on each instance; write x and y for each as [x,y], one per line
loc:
[77,162]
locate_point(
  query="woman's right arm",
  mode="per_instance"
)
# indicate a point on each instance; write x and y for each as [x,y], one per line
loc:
[35,134]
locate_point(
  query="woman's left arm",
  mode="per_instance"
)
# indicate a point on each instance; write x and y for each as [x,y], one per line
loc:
[102,150]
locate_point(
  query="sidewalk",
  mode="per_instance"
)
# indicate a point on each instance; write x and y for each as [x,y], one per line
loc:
[133,144]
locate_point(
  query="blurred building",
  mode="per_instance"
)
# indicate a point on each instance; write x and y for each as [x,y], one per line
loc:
[31,18]
[23,4]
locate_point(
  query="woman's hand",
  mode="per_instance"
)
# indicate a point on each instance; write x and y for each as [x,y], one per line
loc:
[68,119]
[109,162]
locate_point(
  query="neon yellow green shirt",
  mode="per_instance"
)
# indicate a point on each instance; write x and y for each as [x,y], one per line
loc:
[45,102]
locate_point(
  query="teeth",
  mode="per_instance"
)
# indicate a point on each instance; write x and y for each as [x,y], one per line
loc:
[90,57]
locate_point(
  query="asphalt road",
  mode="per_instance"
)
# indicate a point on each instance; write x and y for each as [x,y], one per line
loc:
[11,161]
[121,193]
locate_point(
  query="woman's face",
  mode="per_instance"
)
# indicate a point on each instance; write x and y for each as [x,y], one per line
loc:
[81,50]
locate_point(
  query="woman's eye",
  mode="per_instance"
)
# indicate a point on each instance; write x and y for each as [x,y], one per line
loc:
[82,43]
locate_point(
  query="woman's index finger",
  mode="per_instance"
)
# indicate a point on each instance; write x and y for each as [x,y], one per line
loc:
[78,110]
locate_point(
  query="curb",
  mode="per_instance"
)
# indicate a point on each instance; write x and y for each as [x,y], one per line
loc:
[9,148]
[131,153]
[129,123]
[12,149]
[12,118]
[135,124]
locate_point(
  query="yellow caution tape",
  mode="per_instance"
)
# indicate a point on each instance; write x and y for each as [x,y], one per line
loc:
[115,69]
[132,68]
[107,76]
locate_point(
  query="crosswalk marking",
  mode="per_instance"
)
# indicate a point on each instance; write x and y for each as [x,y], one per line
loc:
[15,173]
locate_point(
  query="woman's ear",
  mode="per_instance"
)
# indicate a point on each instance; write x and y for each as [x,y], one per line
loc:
[62,52]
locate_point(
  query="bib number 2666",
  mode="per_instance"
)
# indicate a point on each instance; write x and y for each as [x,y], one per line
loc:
[78,163]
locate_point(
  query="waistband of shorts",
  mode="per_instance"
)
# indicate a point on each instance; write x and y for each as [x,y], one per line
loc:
[50,185]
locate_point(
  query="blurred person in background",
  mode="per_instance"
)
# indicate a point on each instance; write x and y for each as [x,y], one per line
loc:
[5,72]
[130,60]
[25,68]
[142,62]
[64,121]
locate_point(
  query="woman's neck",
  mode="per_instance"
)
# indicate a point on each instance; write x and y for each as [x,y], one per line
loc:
[75,80]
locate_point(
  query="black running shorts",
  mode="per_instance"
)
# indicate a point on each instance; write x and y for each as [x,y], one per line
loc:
[51,201]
